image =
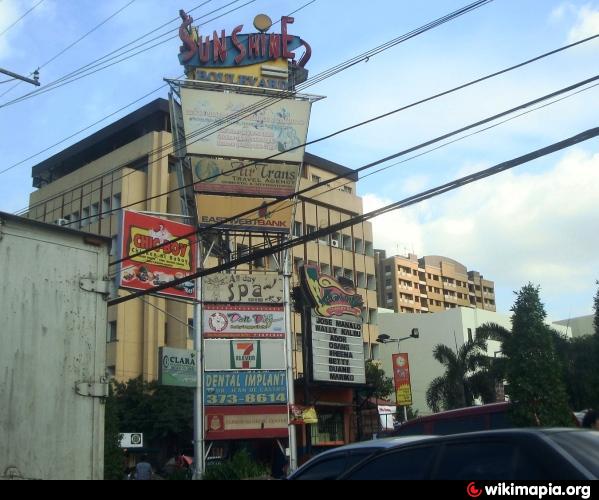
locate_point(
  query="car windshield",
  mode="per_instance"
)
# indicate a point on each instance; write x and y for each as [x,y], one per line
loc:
[583,446]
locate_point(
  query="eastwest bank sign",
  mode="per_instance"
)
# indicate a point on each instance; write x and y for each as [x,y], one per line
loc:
[255,59]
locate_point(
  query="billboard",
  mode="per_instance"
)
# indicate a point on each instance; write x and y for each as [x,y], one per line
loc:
[401,378]
[275,218]
[246,422]
[270,126]
[231,176]
[172,261]
[337,351]
[177,367]
[243,288]
[246,354]
[249,322]
[245,387]
[331,296]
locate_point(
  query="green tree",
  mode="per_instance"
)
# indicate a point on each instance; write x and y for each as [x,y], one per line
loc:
[379,385]
[533,370]
[466,376]
[113,454]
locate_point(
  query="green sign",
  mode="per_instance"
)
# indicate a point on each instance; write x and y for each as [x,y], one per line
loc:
[177,367]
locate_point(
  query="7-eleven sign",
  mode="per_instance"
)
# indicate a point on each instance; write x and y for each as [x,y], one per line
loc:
[245,355]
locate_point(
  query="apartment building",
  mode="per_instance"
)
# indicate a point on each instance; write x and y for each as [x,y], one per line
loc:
[129,164]
[432,283]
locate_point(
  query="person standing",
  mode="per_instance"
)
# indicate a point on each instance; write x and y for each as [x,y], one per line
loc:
[143,470]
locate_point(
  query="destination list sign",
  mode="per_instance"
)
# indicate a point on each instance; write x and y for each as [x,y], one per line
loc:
[337,351]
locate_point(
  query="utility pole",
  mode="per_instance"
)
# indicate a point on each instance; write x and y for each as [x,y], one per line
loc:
[35,81]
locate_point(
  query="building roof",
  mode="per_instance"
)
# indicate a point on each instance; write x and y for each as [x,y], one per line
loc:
[152,117]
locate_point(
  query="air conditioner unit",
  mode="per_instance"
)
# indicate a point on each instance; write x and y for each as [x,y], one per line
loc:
[62,222]
[335,243]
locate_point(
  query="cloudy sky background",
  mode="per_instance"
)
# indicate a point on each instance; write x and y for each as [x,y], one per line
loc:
[537,223]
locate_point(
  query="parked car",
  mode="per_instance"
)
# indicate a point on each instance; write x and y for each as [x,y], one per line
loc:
[330,464]
[526,454]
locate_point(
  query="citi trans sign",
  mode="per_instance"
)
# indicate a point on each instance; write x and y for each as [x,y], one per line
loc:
[255,59]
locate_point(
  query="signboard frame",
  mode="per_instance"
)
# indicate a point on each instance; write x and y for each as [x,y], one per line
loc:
[263,289]
[216,323]
[245,388]
[401,379]
[177,372]
[260,414]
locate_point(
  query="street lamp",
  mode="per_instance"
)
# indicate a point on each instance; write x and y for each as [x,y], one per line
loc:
[383,338]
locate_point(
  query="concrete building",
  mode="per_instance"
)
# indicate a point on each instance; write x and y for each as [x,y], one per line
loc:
[452,327]
[432,283]
[131,161]
[580,326]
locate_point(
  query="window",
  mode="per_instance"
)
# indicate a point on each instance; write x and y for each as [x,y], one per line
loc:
[360,280]
[325,269]
[190,330]
[310,229]
[347,189]
[477,461]
[371,281]
[242,250]
[299,342]
[298,229]
[412,463]
[85,221]
[94,213]
[369,248]
[76,222]
[316,178]
[347,242]
[349,274]
[469,334]
[105,208]
[388,282]
[358,246]
[116,201]
[114,249]
[111,332]
[373,317]
[325,469]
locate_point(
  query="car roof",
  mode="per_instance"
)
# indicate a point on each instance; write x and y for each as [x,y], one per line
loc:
[373,444]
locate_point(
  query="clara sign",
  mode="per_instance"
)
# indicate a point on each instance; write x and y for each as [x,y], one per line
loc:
[177,367]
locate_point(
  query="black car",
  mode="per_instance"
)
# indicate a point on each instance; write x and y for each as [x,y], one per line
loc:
[511,454]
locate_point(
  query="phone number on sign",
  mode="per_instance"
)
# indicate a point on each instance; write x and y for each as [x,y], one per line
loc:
[234,399]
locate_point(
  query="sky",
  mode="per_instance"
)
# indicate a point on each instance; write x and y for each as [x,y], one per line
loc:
[537,223]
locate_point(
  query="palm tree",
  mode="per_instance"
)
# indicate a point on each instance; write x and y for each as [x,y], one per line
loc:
[466,376]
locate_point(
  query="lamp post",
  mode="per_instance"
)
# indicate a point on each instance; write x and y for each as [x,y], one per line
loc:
[383,338]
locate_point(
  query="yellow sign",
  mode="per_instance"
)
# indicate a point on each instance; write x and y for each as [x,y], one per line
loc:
[175,255]
[403,395]
[270,74]
[262,219]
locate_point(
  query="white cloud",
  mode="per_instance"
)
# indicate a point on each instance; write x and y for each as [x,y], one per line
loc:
[8,15]
[587,23]
[514,227]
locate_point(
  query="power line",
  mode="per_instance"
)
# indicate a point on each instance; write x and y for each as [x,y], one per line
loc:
[370,165]
[76,42]
[326,74]
[92,68]
[412,200]
[13,24]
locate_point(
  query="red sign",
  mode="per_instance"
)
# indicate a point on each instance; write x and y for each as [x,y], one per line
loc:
[246,422]
[401,377]
[169,262]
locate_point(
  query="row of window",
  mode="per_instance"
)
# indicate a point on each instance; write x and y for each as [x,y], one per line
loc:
[94,212]
[360,279]
[344,188]
[337,240]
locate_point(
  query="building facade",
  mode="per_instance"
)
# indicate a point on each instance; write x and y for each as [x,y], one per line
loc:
[432,283]
[129,164]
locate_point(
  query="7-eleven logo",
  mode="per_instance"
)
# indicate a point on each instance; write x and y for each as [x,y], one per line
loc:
[245,354]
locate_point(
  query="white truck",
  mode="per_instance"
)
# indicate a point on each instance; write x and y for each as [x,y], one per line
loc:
[53,317]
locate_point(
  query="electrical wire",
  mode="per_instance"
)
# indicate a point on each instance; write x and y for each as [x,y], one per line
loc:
[369,165]
[412,200]
[20,18]
[317,78]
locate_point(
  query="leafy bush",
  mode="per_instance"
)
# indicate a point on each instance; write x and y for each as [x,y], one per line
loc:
[241,466]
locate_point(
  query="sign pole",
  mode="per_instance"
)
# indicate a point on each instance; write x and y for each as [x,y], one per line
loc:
[289,352]
[198,427]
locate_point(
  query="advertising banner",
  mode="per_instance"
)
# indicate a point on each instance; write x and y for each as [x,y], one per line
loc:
[401,378]
[337,351]
[387,416]
[301,415]
[331,296]
[243,288]
[274,218]
[244,354]
[211,175]
[172,261]
[177,367]
[249,322]
[246,422]
[270,126]
[245,387]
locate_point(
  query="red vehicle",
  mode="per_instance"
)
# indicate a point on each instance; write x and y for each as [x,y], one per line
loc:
[474,418]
